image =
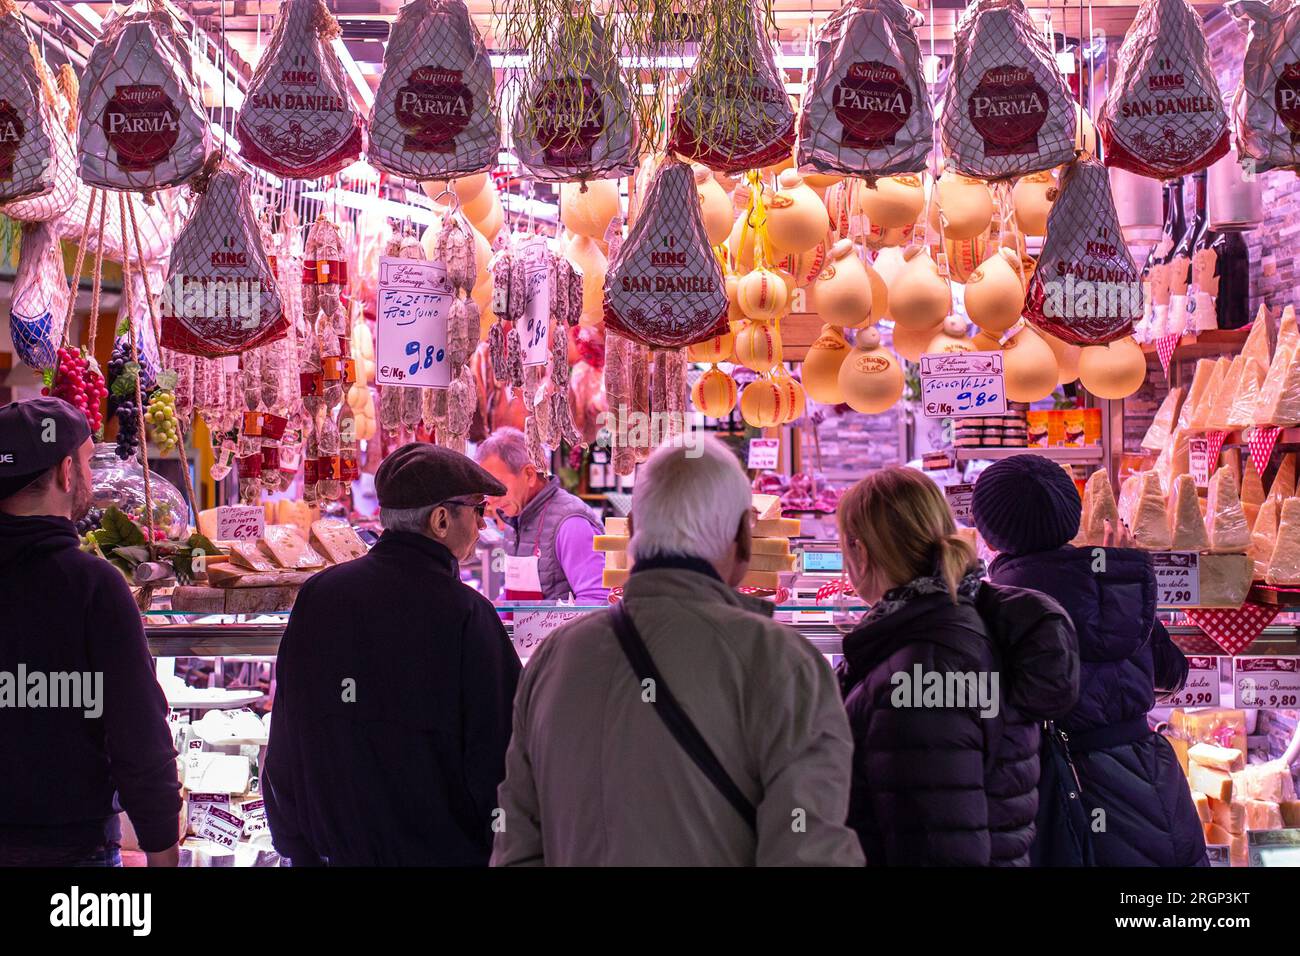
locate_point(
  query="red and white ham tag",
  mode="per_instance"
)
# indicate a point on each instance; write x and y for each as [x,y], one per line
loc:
[298,119]
[27,120]
[435,112]
[1164,116]
[1007,111]
[866,106]
[665,288]
[1266,106]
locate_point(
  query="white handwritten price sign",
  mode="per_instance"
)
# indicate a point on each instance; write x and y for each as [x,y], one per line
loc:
[960,498]
[535,328]
[240,522]
[1198,460]
[411,331]
[962,384]
[1178,578]
[763,453]
[533,627]
[1266,681]
[1202,687]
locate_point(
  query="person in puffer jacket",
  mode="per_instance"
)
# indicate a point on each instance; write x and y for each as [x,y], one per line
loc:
[952,780]
[1136,794]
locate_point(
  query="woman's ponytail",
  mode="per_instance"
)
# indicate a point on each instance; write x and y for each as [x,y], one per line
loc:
[954,556]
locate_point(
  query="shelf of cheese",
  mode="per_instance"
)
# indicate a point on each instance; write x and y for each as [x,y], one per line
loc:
[771,547]
[1208,342]
[1092,453]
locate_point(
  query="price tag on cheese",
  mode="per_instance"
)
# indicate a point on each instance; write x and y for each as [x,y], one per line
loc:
[1198,460]
[535,328]
[763,454]
[1178,578]
[533,627]
[960,498]
[962,384]
[221,826]
[240,522]
[1266,681]
[1202,687]
[254,817]
[411,326]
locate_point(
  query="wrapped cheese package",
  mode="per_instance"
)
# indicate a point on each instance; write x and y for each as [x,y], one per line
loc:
[1225,580]
[1279,397]
[1266,104]
[1284,563]
[1263,538]
[1150,522]
[1007,111]
[1099,507]
[866,109]
[1162,426]
[1224,518]
[1164,116]
[1186,526]
[435,114]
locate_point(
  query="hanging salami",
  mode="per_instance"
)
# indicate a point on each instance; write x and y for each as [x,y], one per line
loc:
[39,303]
[228,296]
[1007,111]
[575,118]
[27,118]
[866,109]
[665,287]
[298,119]
[1164,116]
[142,124]
[1266,106]
[1085,289]
[435,112]
[734,113]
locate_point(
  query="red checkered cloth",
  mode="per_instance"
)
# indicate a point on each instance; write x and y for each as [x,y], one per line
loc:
[1262,440]
[832,588]
[1165,349]
[1234,628]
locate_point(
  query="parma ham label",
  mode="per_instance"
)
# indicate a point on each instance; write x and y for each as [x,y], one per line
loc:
[1286,99]
[1007,108]
[873,104]
[142,125]
[568,97]
[434,107]
[11,137]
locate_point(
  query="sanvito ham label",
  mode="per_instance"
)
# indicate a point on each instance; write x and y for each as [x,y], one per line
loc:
[433,108]
[11,136]
[1008,108]
[1266,105]
[142,125]
[873,103]
[1286,98]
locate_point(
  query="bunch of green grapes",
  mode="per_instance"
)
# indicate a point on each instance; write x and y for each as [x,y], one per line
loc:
[161,418]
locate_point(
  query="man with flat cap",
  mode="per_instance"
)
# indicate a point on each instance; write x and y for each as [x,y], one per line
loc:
[395,681]
[83,722]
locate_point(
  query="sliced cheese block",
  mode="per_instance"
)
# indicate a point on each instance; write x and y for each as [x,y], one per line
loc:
[1200,382]
[770,545]
[1287,334]
[1201,413]
[1263,538]
[776,528]
[1263,815]
[1284,563]
[297,513]
[1284,482]
[1230,815]
[1224,518]
[1150,523]
[1249,387]
[1290,812]
[207,523]
[1215,835]
[1129,489]
[246,554]
[336,540]
[613,577]
[617,560]
[1186,527]
[1215,784]
[766,507]
[1225,579]
[609,542]
[616,526]
[1256,346]
[1265,781]
[1220,758]
[1279,399]
[1202,806]
[1162,426]
[771,562]
[1221,410]
[1099,499]
[288,548]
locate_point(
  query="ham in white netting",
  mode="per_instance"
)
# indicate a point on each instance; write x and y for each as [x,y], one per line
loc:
[54,201]
[1007,111]
[665,287]
[734,113]
[40,297]
[1164,116]
[154,222]
[575,118]
[27,120]
[1266,106]
[222,292]
[142,124]
[298,119]
[1085,289]
[435,113]
[866,109]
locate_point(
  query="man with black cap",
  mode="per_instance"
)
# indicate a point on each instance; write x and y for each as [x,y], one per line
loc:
[394,687]
[77,757]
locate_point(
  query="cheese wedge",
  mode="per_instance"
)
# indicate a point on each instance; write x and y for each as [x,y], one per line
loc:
[1256,346]
[1284,562]
[1099,501]
[1201,413]
[207,523]
[1269,781]
[1224,518]
[1202,806]
[1230,815]
[246,554]
[1200,382]
[1288,336]
[771,562]
[1263,538]
[1128,496]
[288,548]
[1221,411]
[1220,758]
[616,526]
[1263,815]
[1186,528]
[1279,399]
[1249,387]
[1162,426]
[1215,784]
[776,528]
[1150,522]
[766,507]
[297,513]
[770,545]
[1284,482]
[1215,835]
[336,540]
[1252,488]
[1225,579]
[609,542]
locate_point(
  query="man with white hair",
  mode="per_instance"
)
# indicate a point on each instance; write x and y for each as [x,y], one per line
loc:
[691,730]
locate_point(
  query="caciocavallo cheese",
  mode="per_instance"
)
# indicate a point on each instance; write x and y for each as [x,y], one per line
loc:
[1224,517]
[1186,528]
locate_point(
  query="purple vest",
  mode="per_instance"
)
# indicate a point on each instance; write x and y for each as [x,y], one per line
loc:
[537,524]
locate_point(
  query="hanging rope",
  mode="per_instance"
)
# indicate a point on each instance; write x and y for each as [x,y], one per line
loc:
[81,261]
[139,398]
[98,280]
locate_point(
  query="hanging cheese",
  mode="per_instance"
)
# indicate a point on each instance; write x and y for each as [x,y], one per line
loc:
[1201,414]
[586,255]
[843,292]
[720,348]
[1263,538]
[879,294]
[821,366]
[1113,371]
[796,217]
[740,242]
[1150,522]
[1186,526]
[870,378]
[893,202]
[758,346]
[793,399]
[761,404]
[919,298]
[962,207]
[715,205]
[1279,398]
[1067,357]
[1162,425]
[995,296]
[1028,367]
[806,266]
[911,343]
[587,208]
[1284,563]
[965,256]
[1241,414]
[951,338]
[762,295]
[1224,517]
[1217,417]
[1099,508]
[1031,199]
[714,394]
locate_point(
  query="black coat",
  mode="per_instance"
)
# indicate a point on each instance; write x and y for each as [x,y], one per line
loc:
[391,714]
[1126,660]
[944,785]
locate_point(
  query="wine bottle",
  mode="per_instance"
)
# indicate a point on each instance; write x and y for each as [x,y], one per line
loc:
[1154,254]
[1181,257]
[1232,265]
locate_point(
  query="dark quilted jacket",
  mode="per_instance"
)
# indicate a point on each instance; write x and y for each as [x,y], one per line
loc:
[944,786]
[1126,660]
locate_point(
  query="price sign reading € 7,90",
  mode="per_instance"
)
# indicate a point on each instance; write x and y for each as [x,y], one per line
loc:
[962,384]
[411,331]
[1178,578]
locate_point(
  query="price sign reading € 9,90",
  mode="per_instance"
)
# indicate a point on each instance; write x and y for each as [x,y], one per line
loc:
[962,384]
[411,331]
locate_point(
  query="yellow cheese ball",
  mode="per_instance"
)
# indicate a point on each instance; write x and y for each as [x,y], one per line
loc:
[793,402]
[963,206]
[1031,198]
[715,205]
[951,338]
[1067,357]
[586,255]
[734,313]
[964,256]
[480,207]
[994,296]
[894,202]
[757,346]
[821,366]
[912,343]
[740,243]
[762,295]
[879,294]
[717,349]
[871,379]
[844,289]
[796,217]
[1115,371]
[919,298]
[714,393]
[822,180]
[466,188]
[1029,368]
[761,404]
[493,220]
[587,208]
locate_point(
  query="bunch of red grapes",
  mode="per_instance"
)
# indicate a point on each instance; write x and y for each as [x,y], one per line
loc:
[78,384]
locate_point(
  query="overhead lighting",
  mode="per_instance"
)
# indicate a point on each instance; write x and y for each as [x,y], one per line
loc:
[354,72]
[788,61]
[372,204]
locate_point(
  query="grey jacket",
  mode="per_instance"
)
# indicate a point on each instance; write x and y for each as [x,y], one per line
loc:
[594,778]
[536,526]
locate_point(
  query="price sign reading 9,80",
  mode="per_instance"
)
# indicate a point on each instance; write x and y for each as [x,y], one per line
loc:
[962,385]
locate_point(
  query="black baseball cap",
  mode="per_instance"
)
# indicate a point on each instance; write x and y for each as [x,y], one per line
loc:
[34,437]
[420,474]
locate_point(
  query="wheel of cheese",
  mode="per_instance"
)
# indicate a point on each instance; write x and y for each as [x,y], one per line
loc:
[586,255]
[844,289]
[740,243]
[761,404]
[762,295]
[994,296]
[912,343]
[870,379]
[796,217]
[1067,357]
[1032,198]
[714,393]
[757,345]
[717,349]
[821,366]
[1115,371]
[588,211]
[895,202]
[951,338]
[963,205]
[465,188]
[919,298]
[1028,367]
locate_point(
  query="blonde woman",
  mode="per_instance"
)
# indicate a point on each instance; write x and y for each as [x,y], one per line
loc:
[944,682]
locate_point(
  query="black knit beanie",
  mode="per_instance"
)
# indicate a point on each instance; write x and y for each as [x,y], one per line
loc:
[1026,503]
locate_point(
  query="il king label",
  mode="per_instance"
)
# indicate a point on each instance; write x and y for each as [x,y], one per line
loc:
[434,108]
[557,105]
[141,124]
[11,137]
[1008,108]
[872,103]
[1286,99]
